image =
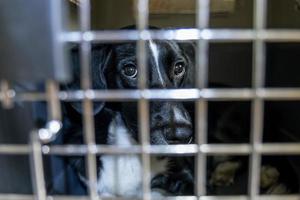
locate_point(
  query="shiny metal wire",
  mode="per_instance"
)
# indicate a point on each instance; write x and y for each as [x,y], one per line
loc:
[257,94]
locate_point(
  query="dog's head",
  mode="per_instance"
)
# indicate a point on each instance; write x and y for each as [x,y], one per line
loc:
[170,65]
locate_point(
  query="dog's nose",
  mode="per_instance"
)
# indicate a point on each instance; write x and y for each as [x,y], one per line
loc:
[172,121]
[179,135]
[181,131]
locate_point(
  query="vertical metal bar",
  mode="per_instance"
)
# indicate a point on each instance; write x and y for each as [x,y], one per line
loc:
[257,111]
[201,104]
[7,93]
[201,130]
[88,117]
[37,170]
[202,14]
[260,13]
[54,109]
[58,26]
[142,14]
[143,104]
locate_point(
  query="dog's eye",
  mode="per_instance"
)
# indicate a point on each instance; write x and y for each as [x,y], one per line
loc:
[130,70]
[179,69]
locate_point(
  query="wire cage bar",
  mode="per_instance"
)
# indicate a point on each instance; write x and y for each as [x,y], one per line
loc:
[143,104]
[201,104]
[88,119]
[257,110]
[201,94]
[216,35]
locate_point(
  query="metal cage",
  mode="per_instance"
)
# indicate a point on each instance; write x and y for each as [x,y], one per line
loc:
[201,94]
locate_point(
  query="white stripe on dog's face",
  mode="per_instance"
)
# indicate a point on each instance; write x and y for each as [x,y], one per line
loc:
[155,52]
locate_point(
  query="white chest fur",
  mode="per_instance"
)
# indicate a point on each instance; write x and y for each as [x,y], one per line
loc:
[122,175]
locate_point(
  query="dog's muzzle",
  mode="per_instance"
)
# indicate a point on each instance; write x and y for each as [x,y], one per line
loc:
[170,124]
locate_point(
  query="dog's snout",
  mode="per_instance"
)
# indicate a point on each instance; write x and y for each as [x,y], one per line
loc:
[179,135]
[172,121]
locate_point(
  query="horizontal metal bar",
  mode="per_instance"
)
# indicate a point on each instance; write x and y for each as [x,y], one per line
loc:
[192,94]
[117,95]
[173,149]
[227,94]
[232,149]
[278,93]
[115,36]
[16,197]
[14,149]
[248,94]
[279,149]
[31,197]
[30,96]
[232,197]
[114,95]
[258,197]
[190,149]
[65,150]
[278,197]
[106,149]
[245,149]
[210,149]
[185,94]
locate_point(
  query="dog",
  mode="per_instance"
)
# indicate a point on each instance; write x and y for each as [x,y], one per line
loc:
[114,66]
[229,122]
[170,65]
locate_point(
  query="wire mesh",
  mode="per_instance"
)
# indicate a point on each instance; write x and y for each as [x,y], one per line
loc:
[200,94]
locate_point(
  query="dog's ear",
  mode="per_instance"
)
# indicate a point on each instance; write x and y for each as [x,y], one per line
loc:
[188,49]
[100,56]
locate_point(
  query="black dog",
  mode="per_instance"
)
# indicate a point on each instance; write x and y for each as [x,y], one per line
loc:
[170,66]
[114,66]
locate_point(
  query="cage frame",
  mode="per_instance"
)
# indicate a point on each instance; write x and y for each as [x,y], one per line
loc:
[201,94]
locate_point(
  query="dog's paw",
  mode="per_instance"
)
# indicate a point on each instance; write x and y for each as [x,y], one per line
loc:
[269,181]
[182,183]
[278,189]
[269,176]
[160,181]
[180,187]
[224,173]
[179,184]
